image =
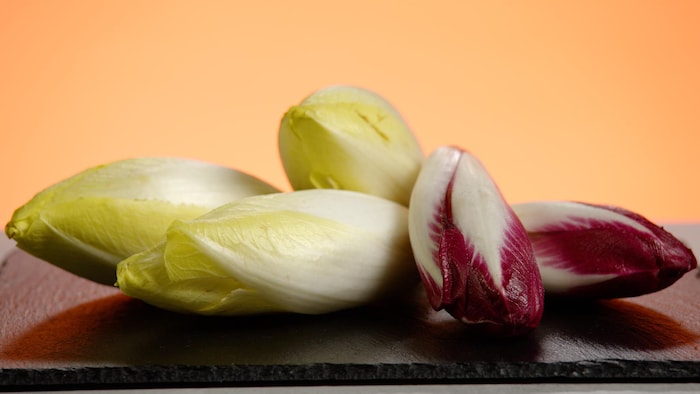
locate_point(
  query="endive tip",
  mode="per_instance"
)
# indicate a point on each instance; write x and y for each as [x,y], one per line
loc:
[14,229]
[295,117]
[293,112]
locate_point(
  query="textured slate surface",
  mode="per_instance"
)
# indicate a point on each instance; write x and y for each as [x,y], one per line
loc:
[58,330]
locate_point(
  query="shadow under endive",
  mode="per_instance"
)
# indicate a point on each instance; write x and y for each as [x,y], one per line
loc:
[118,330]
[618,324]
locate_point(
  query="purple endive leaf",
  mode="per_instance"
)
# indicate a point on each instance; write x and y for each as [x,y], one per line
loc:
[598,251]
[472,252]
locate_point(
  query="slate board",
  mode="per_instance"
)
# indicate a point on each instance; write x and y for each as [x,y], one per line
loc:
[58,331]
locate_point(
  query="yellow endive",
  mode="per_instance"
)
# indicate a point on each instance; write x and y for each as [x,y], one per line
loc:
[312,252]
[89,222]
[349,138]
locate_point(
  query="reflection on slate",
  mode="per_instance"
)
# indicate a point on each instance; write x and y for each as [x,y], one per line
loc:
[59,330]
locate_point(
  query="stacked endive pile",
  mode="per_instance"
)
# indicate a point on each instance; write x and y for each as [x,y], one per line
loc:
[369,216]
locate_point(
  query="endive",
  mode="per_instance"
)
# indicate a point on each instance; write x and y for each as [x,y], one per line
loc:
[601,251]
[89,222]
[472,252]
[349,138]
[312,252]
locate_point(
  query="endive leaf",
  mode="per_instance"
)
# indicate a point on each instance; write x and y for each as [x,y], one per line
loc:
[146,278]
[349,138]
[312,251]
[89,222]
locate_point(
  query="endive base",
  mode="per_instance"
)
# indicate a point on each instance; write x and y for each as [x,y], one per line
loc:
[60,331]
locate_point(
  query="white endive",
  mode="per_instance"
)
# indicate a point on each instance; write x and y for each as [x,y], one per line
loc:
[312,252]
[349,138]
[601,251]
[89,222]
[472,252]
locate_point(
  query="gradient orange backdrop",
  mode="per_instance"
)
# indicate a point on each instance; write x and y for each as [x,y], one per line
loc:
[589,100]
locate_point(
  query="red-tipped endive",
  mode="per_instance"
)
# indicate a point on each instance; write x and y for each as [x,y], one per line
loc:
[89,222]
[310,251]
[599,251]
[472,252]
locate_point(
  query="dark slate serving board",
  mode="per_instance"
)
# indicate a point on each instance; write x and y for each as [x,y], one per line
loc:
[61,331]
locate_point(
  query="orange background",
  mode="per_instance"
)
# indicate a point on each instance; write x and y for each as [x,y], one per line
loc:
[589,100]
